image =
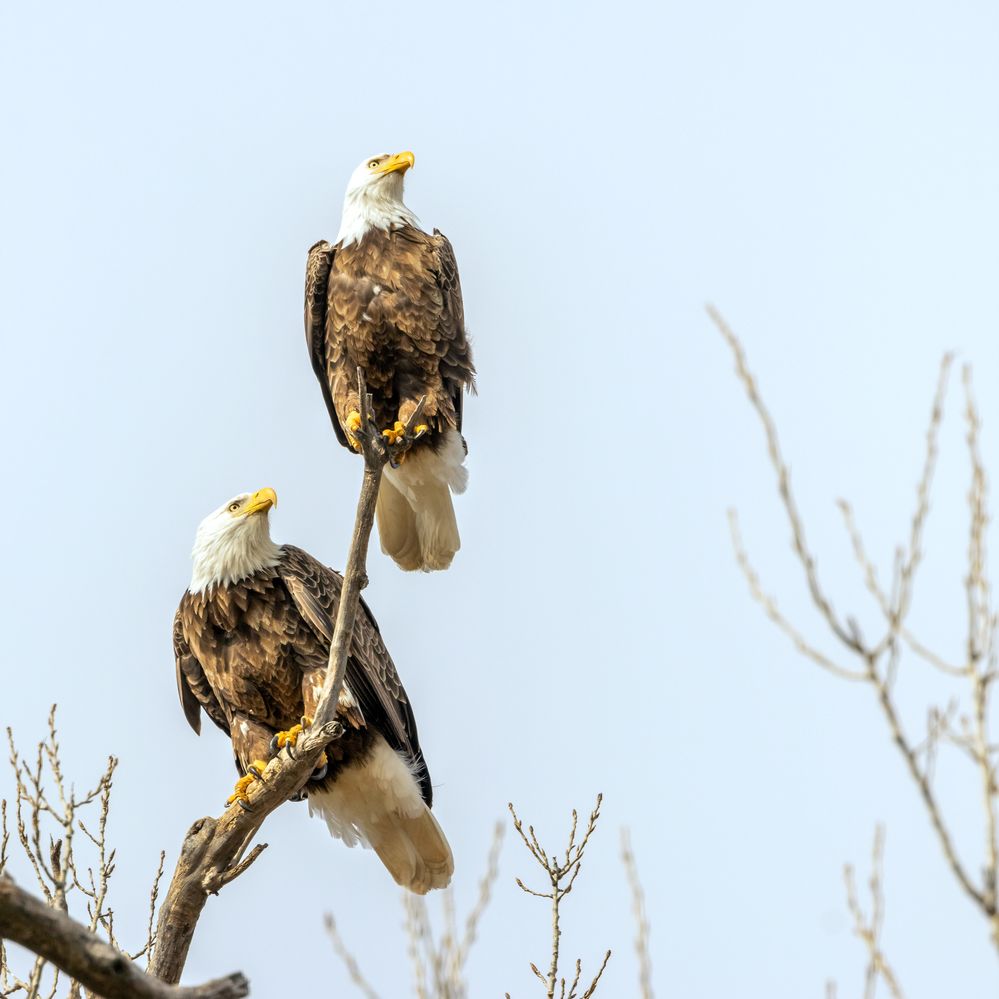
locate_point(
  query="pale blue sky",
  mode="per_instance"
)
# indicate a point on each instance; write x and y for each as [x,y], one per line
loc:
[827,175]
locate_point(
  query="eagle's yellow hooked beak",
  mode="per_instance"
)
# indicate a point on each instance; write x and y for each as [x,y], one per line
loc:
[260,502]
[401,161]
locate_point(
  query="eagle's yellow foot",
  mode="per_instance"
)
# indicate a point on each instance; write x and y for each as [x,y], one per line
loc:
[353,425]
[399,440]
[396,433]
[288,738]
[255,771]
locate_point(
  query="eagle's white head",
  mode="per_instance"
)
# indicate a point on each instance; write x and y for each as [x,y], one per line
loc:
[374,197]
[234,541]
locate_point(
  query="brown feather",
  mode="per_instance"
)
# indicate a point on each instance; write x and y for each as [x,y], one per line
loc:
[393,307]
[253,653]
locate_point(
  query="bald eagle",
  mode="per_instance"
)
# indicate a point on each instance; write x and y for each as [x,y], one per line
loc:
[385,297]
[251,639]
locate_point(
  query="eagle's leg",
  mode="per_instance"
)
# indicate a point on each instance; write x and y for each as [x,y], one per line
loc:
[406,431]
[255,771]
[408,410]
[249,743]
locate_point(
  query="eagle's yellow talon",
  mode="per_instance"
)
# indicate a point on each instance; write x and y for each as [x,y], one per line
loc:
[253,772]
[289,737]
[351,427]
[395,434]
[420,430]
[256,769]
[239,792]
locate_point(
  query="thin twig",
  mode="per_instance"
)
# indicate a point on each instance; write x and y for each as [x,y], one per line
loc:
[561,877]
[348,959]
[869,930]
[641,919]
[981,667]
[769,604]
[805,556]
[880,661]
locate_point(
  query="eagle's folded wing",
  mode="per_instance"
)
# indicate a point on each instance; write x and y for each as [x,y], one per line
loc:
[192,684]
[371,675]
[456,360]
[317,274]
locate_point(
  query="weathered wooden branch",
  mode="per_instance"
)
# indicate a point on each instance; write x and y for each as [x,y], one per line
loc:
[212,852]
[216,851]
[355,573]
[71,946]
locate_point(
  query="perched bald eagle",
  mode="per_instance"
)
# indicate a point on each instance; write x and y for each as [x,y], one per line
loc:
[385,297]
[251,639]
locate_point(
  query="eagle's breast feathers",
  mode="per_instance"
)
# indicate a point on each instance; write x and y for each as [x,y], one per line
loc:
[245,650]
[392,307]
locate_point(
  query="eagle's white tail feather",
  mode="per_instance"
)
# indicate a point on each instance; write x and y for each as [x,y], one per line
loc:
[377,803]
[397,527]
[416,522]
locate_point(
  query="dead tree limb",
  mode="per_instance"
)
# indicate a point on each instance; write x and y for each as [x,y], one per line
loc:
[878,659]
[212,852]
[101,968]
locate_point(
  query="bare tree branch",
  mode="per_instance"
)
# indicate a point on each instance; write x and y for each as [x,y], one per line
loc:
[210,854]
[56,937]
[486,884]
[641,919]
[438,966]
[48,816]
[350,963]
[879,662]
[842,632]
[769,604]
[869,929]
[562,876]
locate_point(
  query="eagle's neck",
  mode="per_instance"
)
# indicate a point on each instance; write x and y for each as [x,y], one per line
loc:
[227,556]
[378,207]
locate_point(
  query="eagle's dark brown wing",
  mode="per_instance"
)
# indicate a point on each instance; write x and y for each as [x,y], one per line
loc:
[457,369]
[317,273]
[192,684]
[371,675]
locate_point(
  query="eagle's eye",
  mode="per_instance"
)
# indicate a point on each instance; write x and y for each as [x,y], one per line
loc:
[372,164]
[233,507]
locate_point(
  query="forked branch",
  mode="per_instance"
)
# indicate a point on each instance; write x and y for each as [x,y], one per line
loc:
[877,662]
[213,850]
[561,871]
[48,823]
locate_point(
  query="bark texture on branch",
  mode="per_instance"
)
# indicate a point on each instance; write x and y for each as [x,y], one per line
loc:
[212,850]
[97,965]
